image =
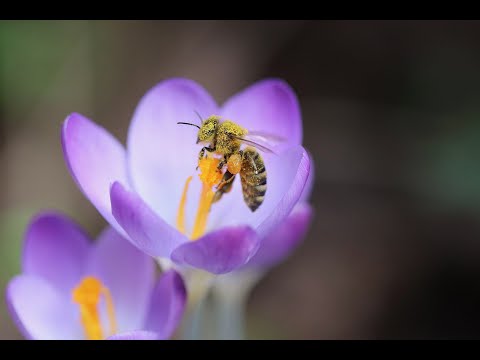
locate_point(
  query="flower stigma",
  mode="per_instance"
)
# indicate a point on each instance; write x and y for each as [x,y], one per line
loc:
[210,176]
[87,295]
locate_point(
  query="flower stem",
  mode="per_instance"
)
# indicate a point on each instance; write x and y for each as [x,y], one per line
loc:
[230,295]
[192,326]
[195,323]
[230,317]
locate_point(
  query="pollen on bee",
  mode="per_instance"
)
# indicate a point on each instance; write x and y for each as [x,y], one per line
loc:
[234,164]
[233,128]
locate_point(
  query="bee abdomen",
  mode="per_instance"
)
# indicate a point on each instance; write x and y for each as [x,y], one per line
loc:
[254,198]
[254,179]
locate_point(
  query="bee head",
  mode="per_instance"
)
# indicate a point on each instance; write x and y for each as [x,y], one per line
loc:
[208,129]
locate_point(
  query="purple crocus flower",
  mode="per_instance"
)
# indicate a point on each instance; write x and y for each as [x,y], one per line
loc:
[140,190]
[71,288]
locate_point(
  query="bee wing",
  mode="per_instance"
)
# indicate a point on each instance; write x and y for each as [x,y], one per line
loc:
[255,144]
[263,140]
[265,137]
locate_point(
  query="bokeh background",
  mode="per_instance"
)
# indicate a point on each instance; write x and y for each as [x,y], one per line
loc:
[391,113]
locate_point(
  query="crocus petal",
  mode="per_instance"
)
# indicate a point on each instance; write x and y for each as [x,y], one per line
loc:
[287,175]
[129,275]
[269,106]
[56,249]
[162,154]
[220,251]
[307,190]
[283,240]
[135,335]
[167,305]
[95,159]
[41,311]
[146,230]
[290,188]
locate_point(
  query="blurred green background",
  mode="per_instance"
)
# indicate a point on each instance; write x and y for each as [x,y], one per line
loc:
[391,113]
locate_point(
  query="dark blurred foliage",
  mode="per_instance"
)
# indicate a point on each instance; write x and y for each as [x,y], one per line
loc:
[391,115]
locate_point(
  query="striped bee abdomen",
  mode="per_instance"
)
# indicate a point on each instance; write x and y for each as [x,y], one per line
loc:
[254,178]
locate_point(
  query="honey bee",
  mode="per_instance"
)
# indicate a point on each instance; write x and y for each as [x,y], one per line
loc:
[225,138]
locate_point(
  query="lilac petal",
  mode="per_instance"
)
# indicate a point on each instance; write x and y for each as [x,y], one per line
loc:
[284,239]
[95,159]
[269,106]
[162,154]
[290,188]
[135,335]
[307,190]
[41,311]
[287,175]
[56,249]
[129,275]
[146,230]
[167,305]
[220,251]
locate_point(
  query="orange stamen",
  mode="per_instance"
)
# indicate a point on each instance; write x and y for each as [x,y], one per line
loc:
[210,177]
[181,209]
[87,295]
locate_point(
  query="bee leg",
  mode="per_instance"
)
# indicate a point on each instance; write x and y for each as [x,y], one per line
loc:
[225,186]
[201,154]
[227,179]
[222,163]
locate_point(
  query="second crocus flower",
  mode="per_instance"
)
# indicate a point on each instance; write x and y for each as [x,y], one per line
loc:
[70,288]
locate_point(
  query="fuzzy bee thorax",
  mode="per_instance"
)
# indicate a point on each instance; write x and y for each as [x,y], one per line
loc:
[226,142]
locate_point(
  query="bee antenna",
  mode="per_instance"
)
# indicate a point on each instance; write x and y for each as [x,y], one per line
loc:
[199,116]
[184,123]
